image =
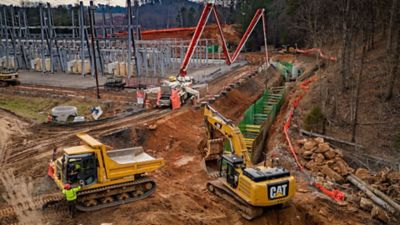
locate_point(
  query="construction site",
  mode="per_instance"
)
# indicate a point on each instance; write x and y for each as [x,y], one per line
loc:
[212,112]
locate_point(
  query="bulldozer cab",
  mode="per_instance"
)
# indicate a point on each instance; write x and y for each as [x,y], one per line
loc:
[79,169]
[228,168]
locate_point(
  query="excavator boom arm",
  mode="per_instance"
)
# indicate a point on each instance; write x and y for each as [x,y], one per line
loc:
[229,130]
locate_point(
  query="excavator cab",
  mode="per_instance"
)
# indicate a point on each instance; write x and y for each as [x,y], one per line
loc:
[229,164]
[79,169]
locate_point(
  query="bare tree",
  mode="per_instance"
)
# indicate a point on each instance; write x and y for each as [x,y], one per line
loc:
[391,49]
[347,45]
[365,42]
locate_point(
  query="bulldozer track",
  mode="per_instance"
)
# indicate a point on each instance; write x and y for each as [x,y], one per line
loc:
[36,150]
[37,203]
[120,202]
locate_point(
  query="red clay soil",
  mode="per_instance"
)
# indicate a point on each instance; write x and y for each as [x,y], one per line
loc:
[181,197]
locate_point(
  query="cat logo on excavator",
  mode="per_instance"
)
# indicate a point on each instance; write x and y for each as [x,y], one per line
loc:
[278,190]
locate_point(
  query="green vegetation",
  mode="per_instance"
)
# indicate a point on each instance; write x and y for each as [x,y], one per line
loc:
[315,120]
[37,108]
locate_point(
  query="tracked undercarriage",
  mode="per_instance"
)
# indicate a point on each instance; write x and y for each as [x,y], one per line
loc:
[248,211]
[114,195]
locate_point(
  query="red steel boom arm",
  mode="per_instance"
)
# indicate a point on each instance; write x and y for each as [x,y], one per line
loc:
[200,28]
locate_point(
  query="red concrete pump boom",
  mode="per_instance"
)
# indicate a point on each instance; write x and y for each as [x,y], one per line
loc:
[200,28]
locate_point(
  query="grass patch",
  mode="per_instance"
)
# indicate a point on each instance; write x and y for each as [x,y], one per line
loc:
[37,108]
[315,120]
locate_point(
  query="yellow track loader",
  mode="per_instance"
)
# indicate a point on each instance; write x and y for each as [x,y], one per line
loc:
[8,77]
[251,188]
[109,177]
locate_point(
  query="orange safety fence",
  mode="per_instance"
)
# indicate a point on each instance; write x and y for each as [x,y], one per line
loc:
[334,194]
[321,54]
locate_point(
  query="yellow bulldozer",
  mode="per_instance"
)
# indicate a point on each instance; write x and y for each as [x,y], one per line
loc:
[108,177]
[251,188]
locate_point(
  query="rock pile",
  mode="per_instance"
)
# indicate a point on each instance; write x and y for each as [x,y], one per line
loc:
[325,162]
[327,166]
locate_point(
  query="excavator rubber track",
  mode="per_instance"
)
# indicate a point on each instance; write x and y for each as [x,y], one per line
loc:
[114,195]
[248,211]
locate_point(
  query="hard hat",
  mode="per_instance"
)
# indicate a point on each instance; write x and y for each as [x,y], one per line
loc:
[67,186]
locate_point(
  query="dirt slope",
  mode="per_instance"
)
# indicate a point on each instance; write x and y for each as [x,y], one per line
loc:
[10,125]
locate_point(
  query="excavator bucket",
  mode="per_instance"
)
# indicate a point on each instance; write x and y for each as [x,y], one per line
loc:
[213,156]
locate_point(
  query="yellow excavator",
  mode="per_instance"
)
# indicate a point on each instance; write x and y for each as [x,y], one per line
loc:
[251,188]
[109,177]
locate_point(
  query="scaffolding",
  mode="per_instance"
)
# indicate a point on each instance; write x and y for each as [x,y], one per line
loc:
[48,47]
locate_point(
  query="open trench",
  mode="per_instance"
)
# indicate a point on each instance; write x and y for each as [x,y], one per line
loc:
[181,196]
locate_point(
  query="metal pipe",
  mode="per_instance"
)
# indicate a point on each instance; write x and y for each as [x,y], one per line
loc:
[42,37]
[50,35]
[82,35]
[129,15]
[16,65]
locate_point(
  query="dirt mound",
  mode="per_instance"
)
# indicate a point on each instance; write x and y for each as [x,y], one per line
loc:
[10,125]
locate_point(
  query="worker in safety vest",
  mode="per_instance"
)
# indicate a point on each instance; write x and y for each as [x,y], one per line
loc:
[70,196]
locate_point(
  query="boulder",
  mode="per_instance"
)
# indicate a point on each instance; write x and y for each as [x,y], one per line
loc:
[366,204]
[394,177]
[332,174]
[379,214]
[152,127]
[307,154]
[311,165]
[339,152]
[363,174]
[301,141]
[323,147]
[319,159]
[342,167]
[330,163]
[309,144]
[330,154]
[319,140]
[300,151]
